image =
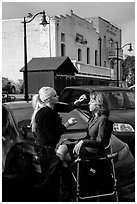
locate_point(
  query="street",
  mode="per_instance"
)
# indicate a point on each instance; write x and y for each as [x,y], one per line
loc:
[14,97]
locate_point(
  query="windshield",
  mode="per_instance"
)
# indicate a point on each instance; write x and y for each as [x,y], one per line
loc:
[70,95]
[116,99]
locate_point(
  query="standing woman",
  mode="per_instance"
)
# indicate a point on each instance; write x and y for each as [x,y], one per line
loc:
[48,127]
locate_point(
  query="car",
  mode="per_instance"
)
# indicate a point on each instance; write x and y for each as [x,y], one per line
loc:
[132,88]
[8,86]
[20,113]
[122,108]
[7,98]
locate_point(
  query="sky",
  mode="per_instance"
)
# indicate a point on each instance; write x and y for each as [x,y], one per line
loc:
[121,14]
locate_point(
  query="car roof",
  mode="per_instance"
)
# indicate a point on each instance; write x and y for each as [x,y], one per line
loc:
[130,87]
[97,88]
[18,104]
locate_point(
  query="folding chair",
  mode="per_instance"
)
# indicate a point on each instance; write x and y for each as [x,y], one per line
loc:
[109,157]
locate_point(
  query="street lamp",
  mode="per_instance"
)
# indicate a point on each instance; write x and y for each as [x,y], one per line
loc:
[44,23]
[119,48]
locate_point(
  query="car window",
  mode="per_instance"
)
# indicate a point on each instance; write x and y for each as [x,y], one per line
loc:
[116,99]
[121,99]
[131,99]
[70,95]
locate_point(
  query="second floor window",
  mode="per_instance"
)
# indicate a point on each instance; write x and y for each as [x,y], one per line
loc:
[63,37]
[96,57]
[79,38]
[88,55]
[62,50]
[79,55]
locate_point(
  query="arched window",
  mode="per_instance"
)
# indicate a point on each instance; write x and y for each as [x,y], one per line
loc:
[62,50]
[96,57]
[88,55]
[79,55]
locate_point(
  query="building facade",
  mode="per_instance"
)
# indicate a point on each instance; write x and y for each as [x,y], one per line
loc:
[109,38]
[89,43]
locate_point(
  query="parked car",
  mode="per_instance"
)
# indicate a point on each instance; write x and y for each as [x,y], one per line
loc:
[122,108]
[19,116]
[132,88]
[7,98]
[8,86]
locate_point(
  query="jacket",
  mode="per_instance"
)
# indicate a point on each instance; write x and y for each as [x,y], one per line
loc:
[98,132]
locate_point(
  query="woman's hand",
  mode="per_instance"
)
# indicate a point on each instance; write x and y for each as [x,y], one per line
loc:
[71,121]
[77,147]
[81,98]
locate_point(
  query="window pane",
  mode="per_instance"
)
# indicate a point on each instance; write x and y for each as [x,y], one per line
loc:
[62,50]
[79,55]
[63,37]
[96,55]
[88,55]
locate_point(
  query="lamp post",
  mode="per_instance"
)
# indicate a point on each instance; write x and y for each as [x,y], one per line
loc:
[119,48]
[44,23]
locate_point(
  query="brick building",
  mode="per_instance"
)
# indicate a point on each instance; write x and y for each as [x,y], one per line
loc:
[89,43]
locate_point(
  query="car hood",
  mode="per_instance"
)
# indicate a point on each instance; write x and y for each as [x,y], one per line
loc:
[81,120]
[123,116]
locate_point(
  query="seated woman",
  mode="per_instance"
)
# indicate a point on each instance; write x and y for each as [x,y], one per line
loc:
[99,130]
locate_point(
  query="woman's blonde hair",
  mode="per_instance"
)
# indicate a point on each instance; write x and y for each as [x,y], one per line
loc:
[40,100]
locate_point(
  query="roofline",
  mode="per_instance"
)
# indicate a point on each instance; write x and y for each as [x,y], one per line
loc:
[95,86]
[109,23]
